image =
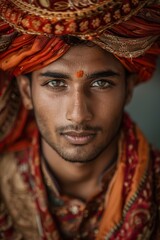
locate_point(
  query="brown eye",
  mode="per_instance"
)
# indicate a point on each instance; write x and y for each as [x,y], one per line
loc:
[56,83]
[102,84]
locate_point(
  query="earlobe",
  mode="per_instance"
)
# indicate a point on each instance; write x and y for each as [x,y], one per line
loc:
[25,91]
[130,83]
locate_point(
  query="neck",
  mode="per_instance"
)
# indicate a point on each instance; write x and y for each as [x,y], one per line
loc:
[79,179]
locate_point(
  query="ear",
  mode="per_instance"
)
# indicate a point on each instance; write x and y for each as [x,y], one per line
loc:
[25,91]
[130,84]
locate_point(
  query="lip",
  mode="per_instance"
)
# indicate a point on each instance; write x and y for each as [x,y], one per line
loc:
[79,138]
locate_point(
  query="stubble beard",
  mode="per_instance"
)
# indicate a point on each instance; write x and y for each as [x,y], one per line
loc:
[79,153]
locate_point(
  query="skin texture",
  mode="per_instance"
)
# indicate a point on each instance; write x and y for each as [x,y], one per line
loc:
[79,118]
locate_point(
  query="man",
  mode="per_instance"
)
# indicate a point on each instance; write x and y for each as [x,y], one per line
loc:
[73,164]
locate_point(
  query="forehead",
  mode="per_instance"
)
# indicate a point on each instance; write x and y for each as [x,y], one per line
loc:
[86,58]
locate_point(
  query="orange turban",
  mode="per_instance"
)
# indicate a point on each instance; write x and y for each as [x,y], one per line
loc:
[30,38]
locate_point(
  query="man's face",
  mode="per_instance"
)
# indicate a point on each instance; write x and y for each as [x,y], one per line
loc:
[78,102]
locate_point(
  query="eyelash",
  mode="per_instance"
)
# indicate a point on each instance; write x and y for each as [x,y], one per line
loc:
[56,81]
[60,82]
[104,81]
[64,85]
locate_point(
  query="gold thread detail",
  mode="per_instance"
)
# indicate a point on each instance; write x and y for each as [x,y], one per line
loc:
[124,47]
[62,16]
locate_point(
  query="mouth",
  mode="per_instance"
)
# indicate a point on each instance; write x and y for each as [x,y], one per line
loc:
[79,137]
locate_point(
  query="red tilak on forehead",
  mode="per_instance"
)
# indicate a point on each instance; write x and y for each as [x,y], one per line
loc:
[79,74]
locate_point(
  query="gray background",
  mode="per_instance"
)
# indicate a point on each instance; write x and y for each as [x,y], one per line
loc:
[145,107]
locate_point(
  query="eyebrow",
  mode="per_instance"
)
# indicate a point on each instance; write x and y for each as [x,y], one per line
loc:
[108,73]
[54,75]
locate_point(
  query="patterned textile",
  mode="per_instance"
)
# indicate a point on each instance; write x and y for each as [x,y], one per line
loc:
[69,17]
[74,216]
[134,216]
[127,28]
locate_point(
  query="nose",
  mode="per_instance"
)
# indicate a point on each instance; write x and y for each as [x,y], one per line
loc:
[79,107]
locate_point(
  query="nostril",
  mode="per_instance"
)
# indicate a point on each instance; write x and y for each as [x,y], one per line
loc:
[79,111]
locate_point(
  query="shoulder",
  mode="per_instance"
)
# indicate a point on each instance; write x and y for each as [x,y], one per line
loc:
[16,198]
[8,167]
[10,177]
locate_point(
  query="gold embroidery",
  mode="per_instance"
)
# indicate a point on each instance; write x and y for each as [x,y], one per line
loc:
[107,18]
[17,199]
[76,23]
[124,47]
[117,14]
[126,8]
[8,12]
[82,3]
[45,3]
[83,26]
[59,7]
[47,28]
[96,22]
[36,24]
[59,29]
[76,16]
[25,22]
[13,16]
[72,27]
[135,2]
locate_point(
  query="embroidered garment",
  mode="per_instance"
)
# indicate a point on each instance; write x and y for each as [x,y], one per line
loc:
[24,208]
[75,217]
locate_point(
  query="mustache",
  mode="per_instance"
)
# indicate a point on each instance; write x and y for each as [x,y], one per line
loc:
[76,128]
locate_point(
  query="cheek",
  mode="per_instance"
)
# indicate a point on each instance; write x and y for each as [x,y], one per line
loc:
[110,106]
[48,110]
[110,118]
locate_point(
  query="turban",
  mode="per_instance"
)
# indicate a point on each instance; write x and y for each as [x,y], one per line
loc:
[31,37]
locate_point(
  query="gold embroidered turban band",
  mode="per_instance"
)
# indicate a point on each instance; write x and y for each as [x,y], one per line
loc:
[30,38]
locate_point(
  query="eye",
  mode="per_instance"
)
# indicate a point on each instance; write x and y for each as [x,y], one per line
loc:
[102,83]
[56,84]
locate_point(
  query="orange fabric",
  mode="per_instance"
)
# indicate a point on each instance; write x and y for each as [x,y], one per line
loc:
[111,218]
[21,135]
[28,53]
